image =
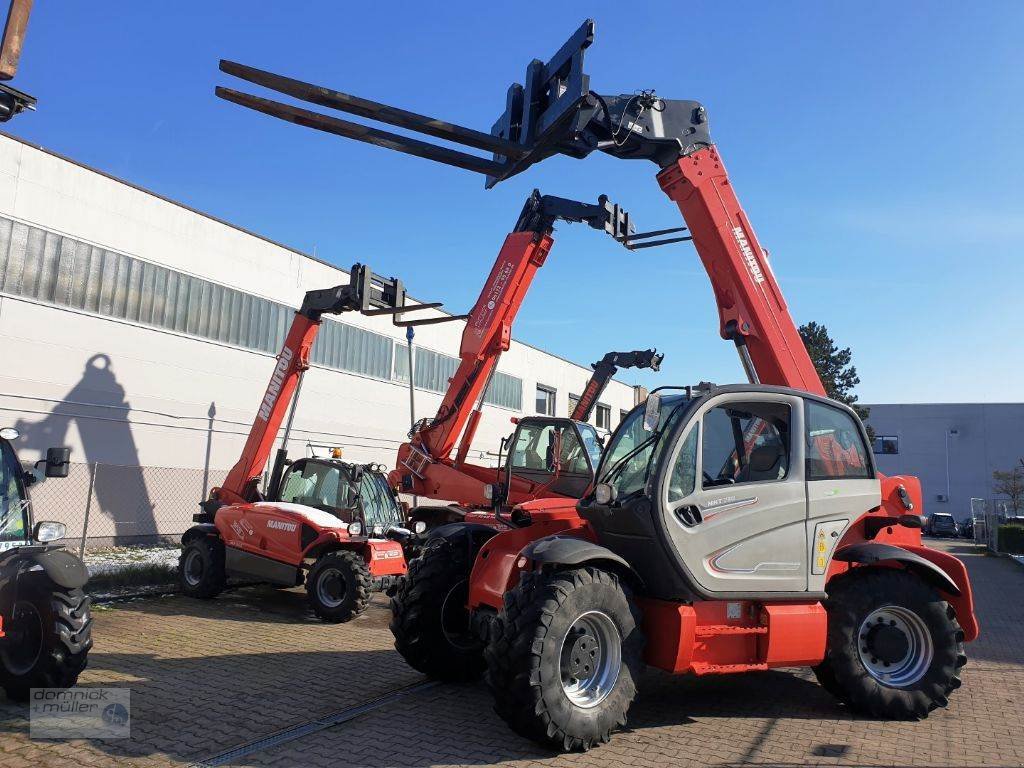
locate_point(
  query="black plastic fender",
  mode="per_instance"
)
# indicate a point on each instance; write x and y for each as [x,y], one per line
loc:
[63,568]
[451,531]
[198,531]
[570,550]
[870,552]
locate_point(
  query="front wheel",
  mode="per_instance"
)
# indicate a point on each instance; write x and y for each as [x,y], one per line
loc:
[201,567]
[565,659]
[338,586]
[48,637]
[894,647]
[429,618]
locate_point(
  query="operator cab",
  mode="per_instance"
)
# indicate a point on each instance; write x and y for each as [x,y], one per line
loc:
[736,490]
[350,492]
[552,454]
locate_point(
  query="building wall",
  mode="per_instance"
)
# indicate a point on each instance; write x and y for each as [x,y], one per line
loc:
[124,393]
[988,437]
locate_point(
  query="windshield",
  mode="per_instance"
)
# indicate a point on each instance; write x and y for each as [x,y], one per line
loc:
[320,485]
[628,459]
[591,442]
[379,504]
[13,500]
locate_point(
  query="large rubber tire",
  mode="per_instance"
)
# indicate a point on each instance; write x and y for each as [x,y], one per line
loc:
[201,567]
[338,586]
[55,629]
[428,615]
[527,655]
[844,671]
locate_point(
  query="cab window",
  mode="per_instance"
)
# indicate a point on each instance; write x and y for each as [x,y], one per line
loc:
[13,503]
[316,485]
[745,442]
[545,447]
[835,445]
[684,473]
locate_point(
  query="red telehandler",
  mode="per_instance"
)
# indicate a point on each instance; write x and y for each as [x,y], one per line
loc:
[336,526]
[726,528]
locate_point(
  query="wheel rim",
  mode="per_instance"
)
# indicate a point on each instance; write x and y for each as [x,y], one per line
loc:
[331,587]
[895,646]
[24,643]
[193,568]
[455,618]
[591,659]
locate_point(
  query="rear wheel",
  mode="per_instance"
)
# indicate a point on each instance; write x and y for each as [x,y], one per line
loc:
[338,586]
[894,649]
[49,634]
[564,662]
[429,618]
[201,567]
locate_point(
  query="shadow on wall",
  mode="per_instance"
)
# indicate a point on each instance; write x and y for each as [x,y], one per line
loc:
[120,505]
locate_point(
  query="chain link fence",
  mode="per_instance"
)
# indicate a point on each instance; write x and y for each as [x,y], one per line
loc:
[106,505]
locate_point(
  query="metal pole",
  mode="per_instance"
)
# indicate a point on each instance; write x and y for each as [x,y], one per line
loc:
[409,335]
[93,469]
[291,413]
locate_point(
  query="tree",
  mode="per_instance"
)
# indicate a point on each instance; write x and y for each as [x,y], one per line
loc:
[834,366]
[1010,483]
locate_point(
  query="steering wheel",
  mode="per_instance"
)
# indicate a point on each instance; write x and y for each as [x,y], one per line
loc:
[710,481]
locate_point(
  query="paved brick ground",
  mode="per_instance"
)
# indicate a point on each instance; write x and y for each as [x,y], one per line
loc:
[209,676]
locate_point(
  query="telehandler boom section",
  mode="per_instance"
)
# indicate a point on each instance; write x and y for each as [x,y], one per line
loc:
[725,529]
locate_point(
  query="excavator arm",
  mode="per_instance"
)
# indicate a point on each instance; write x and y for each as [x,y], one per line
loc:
[607,367]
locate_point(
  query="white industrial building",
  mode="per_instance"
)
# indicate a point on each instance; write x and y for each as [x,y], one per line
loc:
[142,334]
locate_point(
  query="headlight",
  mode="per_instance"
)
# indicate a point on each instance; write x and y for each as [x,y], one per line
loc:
[355,529]
[50,531]
[419,526]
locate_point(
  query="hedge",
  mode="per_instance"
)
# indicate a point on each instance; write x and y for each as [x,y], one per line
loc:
[1011,539]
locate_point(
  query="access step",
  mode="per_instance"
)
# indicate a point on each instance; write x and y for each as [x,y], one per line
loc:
[716,630]
[703,668]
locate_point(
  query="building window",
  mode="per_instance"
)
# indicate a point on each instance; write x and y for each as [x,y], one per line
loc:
[545,401]
[574,400]
[886,444]
[58,270]
[604,417]
[433,370]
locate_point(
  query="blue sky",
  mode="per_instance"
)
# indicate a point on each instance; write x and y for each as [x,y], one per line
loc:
[875,146]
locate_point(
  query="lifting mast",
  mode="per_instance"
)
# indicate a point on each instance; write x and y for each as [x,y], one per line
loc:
[555,112]
[425,466]
[367,293]
[604,369]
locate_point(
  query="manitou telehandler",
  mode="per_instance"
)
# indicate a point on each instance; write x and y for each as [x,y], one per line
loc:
[45,623]
[333,525]
[726,529]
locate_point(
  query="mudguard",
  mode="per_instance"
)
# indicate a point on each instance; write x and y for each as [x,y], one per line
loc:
[63,568]
[873,552]
[197,531]
[450,531]
[571,550]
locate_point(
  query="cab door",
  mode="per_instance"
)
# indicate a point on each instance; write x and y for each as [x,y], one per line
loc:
[735,503]
[841,481]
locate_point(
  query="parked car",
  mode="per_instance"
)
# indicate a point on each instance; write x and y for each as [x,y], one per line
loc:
[942,524]
[967,528]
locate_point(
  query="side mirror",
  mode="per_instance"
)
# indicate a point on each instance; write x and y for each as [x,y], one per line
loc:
[47,531]
[58,462]
[652,412]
